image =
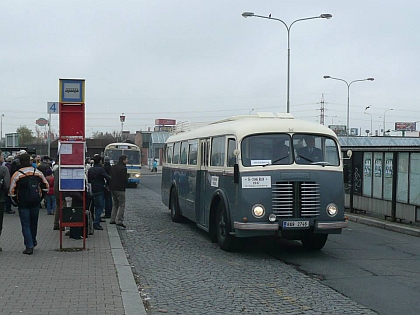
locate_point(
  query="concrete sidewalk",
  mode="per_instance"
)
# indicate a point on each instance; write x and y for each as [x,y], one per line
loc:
[98,280]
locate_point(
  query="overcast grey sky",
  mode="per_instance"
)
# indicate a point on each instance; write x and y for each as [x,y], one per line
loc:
[202,61]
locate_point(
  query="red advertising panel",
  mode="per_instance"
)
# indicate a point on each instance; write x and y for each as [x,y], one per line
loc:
[72,121]
[168,122]
[72,153]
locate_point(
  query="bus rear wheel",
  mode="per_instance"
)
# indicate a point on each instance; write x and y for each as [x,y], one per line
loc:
[175,211]
[314,241]
[226,241]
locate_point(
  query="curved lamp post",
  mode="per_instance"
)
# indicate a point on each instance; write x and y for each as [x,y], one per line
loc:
[348,95]
[383,130]
[288,27]
[371,125]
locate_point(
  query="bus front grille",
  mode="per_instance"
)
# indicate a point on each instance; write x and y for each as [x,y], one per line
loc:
[296,199]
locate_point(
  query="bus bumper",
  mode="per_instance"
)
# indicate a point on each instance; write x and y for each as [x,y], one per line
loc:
[243,229]
[331,225]
[256,226]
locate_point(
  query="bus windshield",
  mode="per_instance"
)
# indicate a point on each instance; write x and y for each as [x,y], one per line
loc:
[114,154]
[282,149]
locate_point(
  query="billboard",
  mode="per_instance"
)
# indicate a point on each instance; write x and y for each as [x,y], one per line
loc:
[340,130]
[164,128]
[167,122]
[405,126]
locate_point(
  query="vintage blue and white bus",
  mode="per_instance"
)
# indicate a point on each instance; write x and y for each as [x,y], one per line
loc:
[257,175]
[133,152]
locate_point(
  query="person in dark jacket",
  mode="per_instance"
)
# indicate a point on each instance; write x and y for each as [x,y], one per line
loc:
[8,202]
[98,178]
[107,191]
[117,186]
[44,165]
[4,190]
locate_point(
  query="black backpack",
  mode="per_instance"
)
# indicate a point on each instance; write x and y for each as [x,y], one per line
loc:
[32,193]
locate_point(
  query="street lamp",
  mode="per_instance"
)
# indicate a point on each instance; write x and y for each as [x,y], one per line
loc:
[348,95]
[366,109]
[288,27]
[1,130]
[383,131]
[122,119]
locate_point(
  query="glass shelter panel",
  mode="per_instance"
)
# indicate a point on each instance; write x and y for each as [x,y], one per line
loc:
[402,186]
[367,174]
[388,174]
[415,178]
[378,175]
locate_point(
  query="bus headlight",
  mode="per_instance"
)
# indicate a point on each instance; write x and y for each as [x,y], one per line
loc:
[332,209]
[258,210]
[137,175]
[272,217]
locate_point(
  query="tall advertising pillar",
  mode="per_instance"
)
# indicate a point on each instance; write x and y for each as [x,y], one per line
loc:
[72,147]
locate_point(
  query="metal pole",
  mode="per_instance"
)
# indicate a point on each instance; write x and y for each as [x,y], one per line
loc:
[1,129]
[49,135]
[348,111]
[288,71]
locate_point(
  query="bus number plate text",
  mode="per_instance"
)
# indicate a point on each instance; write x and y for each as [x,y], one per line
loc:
[295,224]
[256,182]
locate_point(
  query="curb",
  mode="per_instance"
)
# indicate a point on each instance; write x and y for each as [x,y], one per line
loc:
[133,304]
[391,226]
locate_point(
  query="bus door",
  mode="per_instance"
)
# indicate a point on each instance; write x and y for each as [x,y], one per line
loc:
[201,204]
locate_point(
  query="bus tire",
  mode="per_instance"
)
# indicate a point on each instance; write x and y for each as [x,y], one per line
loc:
[226,241]
[175,210]
[314,241]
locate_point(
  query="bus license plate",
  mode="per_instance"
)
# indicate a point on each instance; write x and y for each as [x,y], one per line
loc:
[295,224]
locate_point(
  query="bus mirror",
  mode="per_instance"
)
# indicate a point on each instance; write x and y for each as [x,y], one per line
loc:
[236,173]
[349,153]
[236,152]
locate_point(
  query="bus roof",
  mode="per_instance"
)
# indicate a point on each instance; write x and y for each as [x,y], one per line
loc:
[242,126]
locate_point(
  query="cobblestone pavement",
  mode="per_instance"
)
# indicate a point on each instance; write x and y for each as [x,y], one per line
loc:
[182,272]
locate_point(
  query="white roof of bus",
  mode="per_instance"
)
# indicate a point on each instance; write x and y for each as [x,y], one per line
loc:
[242,126]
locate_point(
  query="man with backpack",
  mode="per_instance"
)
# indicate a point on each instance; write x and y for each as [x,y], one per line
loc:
[27,187]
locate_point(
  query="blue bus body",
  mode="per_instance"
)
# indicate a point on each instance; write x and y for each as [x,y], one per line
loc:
[234,186]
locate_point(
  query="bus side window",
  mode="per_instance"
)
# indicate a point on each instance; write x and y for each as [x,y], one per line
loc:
[169,154]
[184,148]
[231,158]
[218,151]
[192,155]
[204,152]
[176,153]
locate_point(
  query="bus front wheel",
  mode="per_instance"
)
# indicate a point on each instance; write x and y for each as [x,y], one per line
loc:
[225,240]
[314,241]
[175,211]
